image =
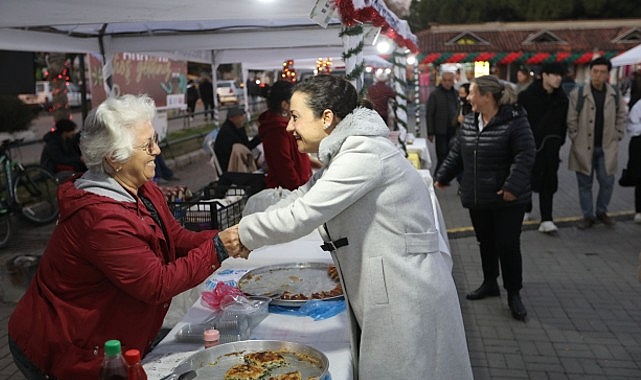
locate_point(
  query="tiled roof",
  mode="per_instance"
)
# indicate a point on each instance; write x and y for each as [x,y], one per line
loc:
[577,36]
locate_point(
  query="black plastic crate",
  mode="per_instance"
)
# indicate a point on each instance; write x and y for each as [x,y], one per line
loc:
[212,213]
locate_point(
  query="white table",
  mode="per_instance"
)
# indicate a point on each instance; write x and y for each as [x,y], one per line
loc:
[330,336]
[419,146]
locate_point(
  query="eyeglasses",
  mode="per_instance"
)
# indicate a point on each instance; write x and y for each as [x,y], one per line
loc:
[148,147]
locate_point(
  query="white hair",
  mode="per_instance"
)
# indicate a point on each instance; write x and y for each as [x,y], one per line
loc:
[109,130]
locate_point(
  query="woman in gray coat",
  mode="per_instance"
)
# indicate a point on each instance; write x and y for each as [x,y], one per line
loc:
[379,221]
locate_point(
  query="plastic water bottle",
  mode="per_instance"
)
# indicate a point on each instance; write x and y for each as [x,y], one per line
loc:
[136,371]
[114,366]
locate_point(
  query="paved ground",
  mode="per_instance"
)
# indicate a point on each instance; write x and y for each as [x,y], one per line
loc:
[580,289]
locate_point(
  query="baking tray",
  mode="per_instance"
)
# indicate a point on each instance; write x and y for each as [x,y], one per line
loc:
[213,362]
[296,278]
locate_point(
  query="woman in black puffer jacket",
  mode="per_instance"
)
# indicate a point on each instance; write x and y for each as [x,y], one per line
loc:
[495,150]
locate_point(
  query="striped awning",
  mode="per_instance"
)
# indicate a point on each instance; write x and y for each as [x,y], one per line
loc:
[518,57]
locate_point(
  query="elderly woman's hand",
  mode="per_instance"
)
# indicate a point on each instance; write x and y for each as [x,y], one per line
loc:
[231,241]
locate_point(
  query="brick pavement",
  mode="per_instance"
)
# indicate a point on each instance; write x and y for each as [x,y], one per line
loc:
[580,289]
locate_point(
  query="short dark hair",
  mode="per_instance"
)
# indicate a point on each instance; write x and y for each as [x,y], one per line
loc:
[601,61]
[329,92]
[65,125]
[553,68]
[279,91]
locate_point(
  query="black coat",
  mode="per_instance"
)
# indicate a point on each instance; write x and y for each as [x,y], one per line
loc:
[441,111]
[59,154]
[547,114]
[498,158]
[226,138]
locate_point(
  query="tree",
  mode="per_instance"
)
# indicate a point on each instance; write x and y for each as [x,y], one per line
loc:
[427,12]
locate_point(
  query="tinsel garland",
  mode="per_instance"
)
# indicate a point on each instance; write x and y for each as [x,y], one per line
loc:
[353,30]
[353,42]
[352,17]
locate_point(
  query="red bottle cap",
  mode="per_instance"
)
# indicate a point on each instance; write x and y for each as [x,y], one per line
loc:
[132,356]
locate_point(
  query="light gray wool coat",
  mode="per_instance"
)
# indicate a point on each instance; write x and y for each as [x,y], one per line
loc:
[405,317]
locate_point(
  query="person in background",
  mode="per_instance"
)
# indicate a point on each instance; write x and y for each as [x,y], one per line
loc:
[633,126]
[380,95]
[286,166]
[495,150]
[206,90]
[191,96]
[163,172]
[381,226]
[546,105]
[61,152]
[464,108]
[595,131]
[439,114]
[116,257]
[523,79]
[232,132]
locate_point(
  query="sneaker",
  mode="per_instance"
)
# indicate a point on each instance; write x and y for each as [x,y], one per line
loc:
[548,227]
[585,223]
[637,218]
[605,219]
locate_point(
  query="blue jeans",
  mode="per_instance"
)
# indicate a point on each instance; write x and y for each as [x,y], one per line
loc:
[28,369]
[606,186]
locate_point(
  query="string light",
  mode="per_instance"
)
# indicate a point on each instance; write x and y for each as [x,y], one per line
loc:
[288,73]
[324,65]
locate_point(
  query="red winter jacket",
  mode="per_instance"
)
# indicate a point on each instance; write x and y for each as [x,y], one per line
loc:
[107,273]
[287,167]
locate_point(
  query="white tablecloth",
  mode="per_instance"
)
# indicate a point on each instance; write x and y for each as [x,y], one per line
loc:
[419,146]
[329,336]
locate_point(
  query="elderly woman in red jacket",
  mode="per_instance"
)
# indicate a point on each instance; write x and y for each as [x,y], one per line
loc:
[116,257]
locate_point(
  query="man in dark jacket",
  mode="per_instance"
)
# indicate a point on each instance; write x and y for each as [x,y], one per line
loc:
[440,116]
[232,132]
[206,90]
[61,152]
[546,105]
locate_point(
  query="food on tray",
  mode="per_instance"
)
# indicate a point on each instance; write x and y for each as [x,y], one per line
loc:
[293,284]
[296,375]
[265,359]
[293,296]
[332,272]
[246,372]
[337,291]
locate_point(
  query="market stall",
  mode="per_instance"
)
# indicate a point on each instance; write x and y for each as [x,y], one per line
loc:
[330,336]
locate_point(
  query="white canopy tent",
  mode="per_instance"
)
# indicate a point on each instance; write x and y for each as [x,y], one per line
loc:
[260,34]
[629,57]
[190,28]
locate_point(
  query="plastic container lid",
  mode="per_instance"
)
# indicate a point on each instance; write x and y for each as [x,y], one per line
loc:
[132,356]
[112,347]
[212,335]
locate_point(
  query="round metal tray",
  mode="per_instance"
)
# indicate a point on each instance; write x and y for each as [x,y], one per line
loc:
[213,362]
[296,278]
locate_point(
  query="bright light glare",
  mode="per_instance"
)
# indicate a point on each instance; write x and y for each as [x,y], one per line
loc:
[368,69]
[383,47]
[411,60]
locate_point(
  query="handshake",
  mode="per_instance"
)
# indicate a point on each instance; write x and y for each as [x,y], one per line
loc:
[231,241]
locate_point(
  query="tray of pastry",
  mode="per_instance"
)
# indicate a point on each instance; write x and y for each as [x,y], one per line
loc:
[255,359]
[293,284]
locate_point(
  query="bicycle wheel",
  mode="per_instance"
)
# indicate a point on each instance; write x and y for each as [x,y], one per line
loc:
[5,228]
[35,192]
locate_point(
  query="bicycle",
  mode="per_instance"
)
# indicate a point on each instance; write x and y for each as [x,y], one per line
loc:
[28,190]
